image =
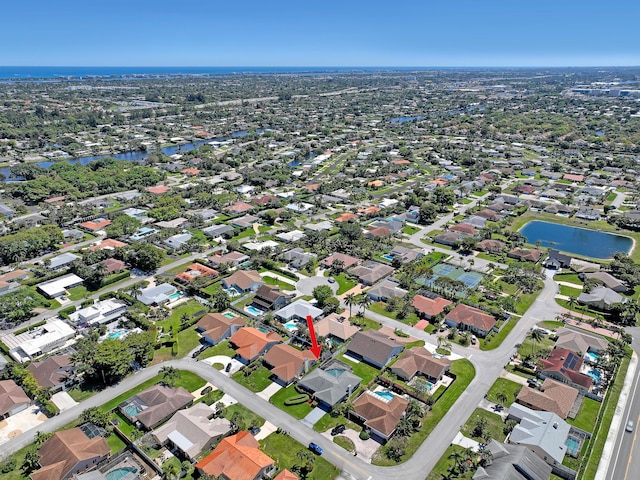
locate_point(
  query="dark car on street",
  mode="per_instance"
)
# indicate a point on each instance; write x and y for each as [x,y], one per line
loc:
[337,430]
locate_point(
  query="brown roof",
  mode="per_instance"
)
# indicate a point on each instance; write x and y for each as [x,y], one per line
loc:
[53,371]
[286,475]
[490,245]
[162,401]
[346,217]
[420,360]
[378,414]
[243,278]
[214,325]
[61,454]
[348,260]
[160,189]
[97,224]
[196,270]
[464,228]
[472,317]
[239,207]
[231,257]
[567,364]
[250,341]
[531,255]
[11,394]
[555,397]
[266,295]
[379,231]
[237,458]
[374,345]
[330,325]
[429,306]
[287,362]
[16,274]
[113,265]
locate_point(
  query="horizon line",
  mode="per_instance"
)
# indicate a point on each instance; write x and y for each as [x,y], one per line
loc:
[324,66]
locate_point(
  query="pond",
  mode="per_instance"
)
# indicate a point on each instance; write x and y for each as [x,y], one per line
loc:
[579,241]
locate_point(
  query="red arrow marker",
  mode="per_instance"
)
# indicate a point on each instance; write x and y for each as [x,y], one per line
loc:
[315,348]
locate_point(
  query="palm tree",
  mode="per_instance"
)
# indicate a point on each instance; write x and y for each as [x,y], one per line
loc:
[135,290]
[350,300]
[364,301]
[536,335]
[501,397]
[169,375]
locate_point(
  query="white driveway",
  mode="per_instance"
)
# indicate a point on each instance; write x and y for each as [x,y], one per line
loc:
[21,422]
[270,391]
[63,401]
[224,360]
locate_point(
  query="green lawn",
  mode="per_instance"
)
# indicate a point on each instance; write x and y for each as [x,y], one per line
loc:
[251,418]
[345,283]
[550,324]
[344,442]
[495,340]
[529,347]
[179,269]
[410,229]
[509,388]
[283,449]
[464,371]
[570,292]
[190,308]
[327,422]
[278,283]
[256,381]
[364,371]
[223,348]
[188,340]
[78,293]
[298,411]
[494,428]
[587,415]
[378,307]
[446,464]
[568,277]
[114,442]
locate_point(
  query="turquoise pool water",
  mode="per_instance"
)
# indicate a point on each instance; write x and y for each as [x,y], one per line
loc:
[131,410]
[117,334]
[595,374]
[591,357]
[175,296]
[387,256]
[232,292]
[253,310]
[573,445]
[388,396]
[334,372]
[291,325]
[228,315]
[118,473]
[263,330]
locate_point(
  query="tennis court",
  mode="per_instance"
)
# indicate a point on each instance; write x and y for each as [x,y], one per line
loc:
[470,279]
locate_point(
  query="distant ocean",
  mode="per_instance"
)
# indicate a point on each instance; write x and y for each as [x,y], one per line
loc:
[21,73]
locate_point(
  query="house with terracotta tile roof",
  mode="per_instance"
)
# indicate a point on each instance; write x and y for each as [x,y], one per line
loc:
[244,281]
[230,258]
[12,398]
[158,190]
[196,270]
[372,232]
[237,457]
[95,225]
[420,361]
[155,405]
[287,363]
[345,217]
[107,243]
[69,452]
[573,178]
[379,413]
[286,475]
[312,188]
[114,265]
[369,210]
[250,343]
[429,307]
[238,208]
[54,373]
[564,366]
[190,171]
[373,347]
[489,245]
[216,327]
[553,396]
[525,254]
[469,318]
[347,260]
[265,200]
[371,272]
[464,228]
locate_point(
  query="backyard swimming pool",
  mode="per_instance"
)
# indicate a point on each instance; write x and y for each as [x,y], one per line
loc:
[291,325]
[387,396]
[229,315]
[253,310]
[175,296]
[573,446]
[591,357]
[595,374]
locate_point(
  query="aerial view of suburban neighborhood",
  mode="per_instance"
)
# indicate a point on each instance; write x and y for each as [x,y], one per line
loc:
[425,274]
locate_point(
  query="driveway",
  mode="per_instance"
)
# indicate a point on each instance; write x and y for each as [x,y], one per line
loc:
[365,449]
[313,417]
[63,401]
[25,420]
[306,285]
[270,391]
[224,360]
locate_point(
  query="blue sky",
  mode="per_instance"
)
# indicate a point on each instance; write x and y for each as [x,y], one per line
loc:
[320,33]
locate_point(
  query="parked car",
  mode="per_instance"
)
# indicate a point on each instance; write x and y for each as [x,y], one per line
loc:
[337,430]
[206,390]
[629,426]
[315,448]
[228,367]
[331,280]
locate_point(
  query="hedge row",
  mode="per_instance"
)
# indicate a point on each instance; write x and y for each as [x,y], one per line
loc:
[65,312]
[116,278]
[35,280]
[296,400]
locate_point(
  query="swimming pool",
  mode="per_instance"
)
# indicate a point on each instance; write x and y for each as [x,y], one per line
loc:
[175,296]
[228,315]
[573,446]
[387,396]
[253,310]
[119,473]
[387,256]
[118,334]
[131,410]
[334,372]
[595,374]
[232,292]
[591,357]
[291,325]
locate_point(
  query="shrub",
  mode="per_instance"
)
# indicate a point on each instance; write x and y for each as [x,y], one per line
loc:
[8,466]
[296,400]
[364,435]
